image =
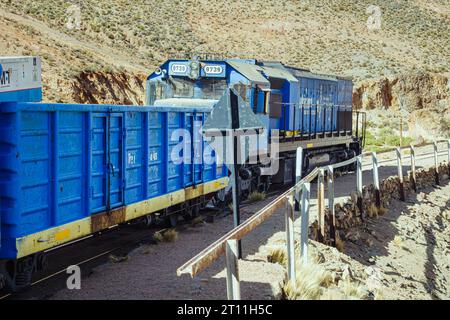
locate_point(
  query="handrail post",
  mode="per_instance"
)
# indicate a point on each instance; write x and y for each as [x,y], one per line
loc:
[359,200]
[321,204]
[290,238]
[331,205]
[298,173]
[233,287]
[376,181]
[413,168]
[306,193]
[448,156]
[436,163]
[400,173]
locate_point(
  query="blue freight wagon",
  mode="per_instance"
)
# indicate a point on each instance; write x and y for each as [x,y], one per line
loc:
[69,170]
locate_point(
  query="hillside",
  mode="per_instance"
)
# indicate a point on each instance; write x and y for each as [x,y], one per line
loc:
[121,43]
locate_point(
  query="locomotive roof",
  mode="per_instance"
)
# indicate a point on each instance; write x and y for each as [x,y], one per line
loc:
[250,71]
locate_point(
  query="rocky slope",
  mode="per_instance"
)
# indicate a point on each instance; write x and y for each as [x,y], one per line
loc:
[421,99]
[390,42]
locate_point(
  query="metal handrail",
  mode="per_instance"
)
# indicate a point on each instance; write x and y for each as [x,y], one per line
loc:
[227,243]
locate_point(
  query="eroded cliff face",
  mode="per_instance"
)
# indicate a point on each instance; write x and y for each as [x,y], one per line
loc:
[109,88]
[95,87]
[422,100]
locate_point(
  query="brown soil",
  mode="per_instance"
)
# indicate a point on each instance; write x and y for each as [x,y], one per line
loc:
[401,255]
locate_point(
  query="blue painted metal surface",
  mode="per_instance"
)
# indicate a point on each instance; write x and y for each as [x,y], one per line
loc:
[60,163]
[310,103]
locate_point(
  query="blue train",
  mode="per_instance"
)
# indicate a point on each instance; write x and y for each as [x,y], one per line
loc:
[303,109]
[68,171]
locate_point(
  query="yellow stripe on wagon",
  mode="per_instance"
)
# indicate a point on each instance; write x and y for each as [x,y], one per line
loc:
[56,236]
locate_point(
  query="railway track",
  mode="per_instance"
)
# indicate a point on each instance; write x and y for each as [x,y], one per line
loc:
[93,251]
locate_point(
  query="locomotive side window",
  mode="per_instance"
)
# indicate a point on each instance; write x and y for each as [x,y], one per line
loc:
[260,101]
[275,105]
[266,101]
[255,100]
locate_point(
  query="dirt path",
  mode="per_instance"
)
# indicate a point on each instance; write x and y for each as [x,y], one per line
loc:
[413,265]
[409,248]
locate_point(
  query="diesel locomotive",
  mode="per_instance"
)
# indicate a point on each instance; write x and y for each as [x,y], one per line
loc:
[299,107]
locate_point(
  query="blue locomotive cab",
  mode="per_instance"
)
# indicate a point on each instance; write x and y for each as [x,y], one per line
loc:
[268,87]
[187,83]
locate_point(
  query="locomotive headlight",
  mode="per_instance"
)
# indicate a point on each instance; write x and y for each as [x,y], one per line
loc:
[195,65]
[194,72]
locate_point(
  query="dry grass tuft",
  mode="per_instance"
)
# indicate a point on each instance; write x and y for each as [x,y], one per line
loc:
[312,280]
[197,221]
[278,255]
[378,295]
[157,236]
[352,290]
[340,245]
[372,211]
[382,211]
[169,235]
[256,196]
[398,241]
[118,259]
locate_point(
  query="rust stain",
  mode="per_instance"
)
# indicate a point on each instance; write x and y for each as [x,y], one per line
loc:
[104,220]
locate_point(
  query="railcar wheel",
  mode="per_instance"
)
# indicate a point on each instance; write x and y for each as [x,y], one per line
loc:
[149,220]
[41,262]
[17,274]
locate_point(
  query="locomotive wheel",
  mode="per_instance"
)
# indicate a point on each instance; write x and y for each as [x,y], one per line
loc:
[221,199]
[171,221]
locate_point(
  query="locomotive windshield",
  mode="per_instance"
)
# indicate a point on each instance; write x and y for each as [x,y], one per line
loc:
[205,88]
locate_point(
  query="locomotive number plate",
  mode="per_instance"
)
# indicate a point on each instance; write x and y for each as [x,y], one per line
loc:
[213,69]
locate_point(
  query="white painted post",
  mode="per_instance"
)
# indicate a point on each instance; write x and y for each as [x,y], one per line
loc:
[436,163]
[376,180]
[290,238]
[331,204]
[299,164]
[359,184]
[413,168]
[306,192]
[298,173]
[400,173]
[448,155]
[321,204]
[233,288]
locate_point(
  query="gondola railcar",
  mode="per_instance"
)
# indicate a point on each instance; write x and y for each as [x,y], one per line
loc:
[68,171]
